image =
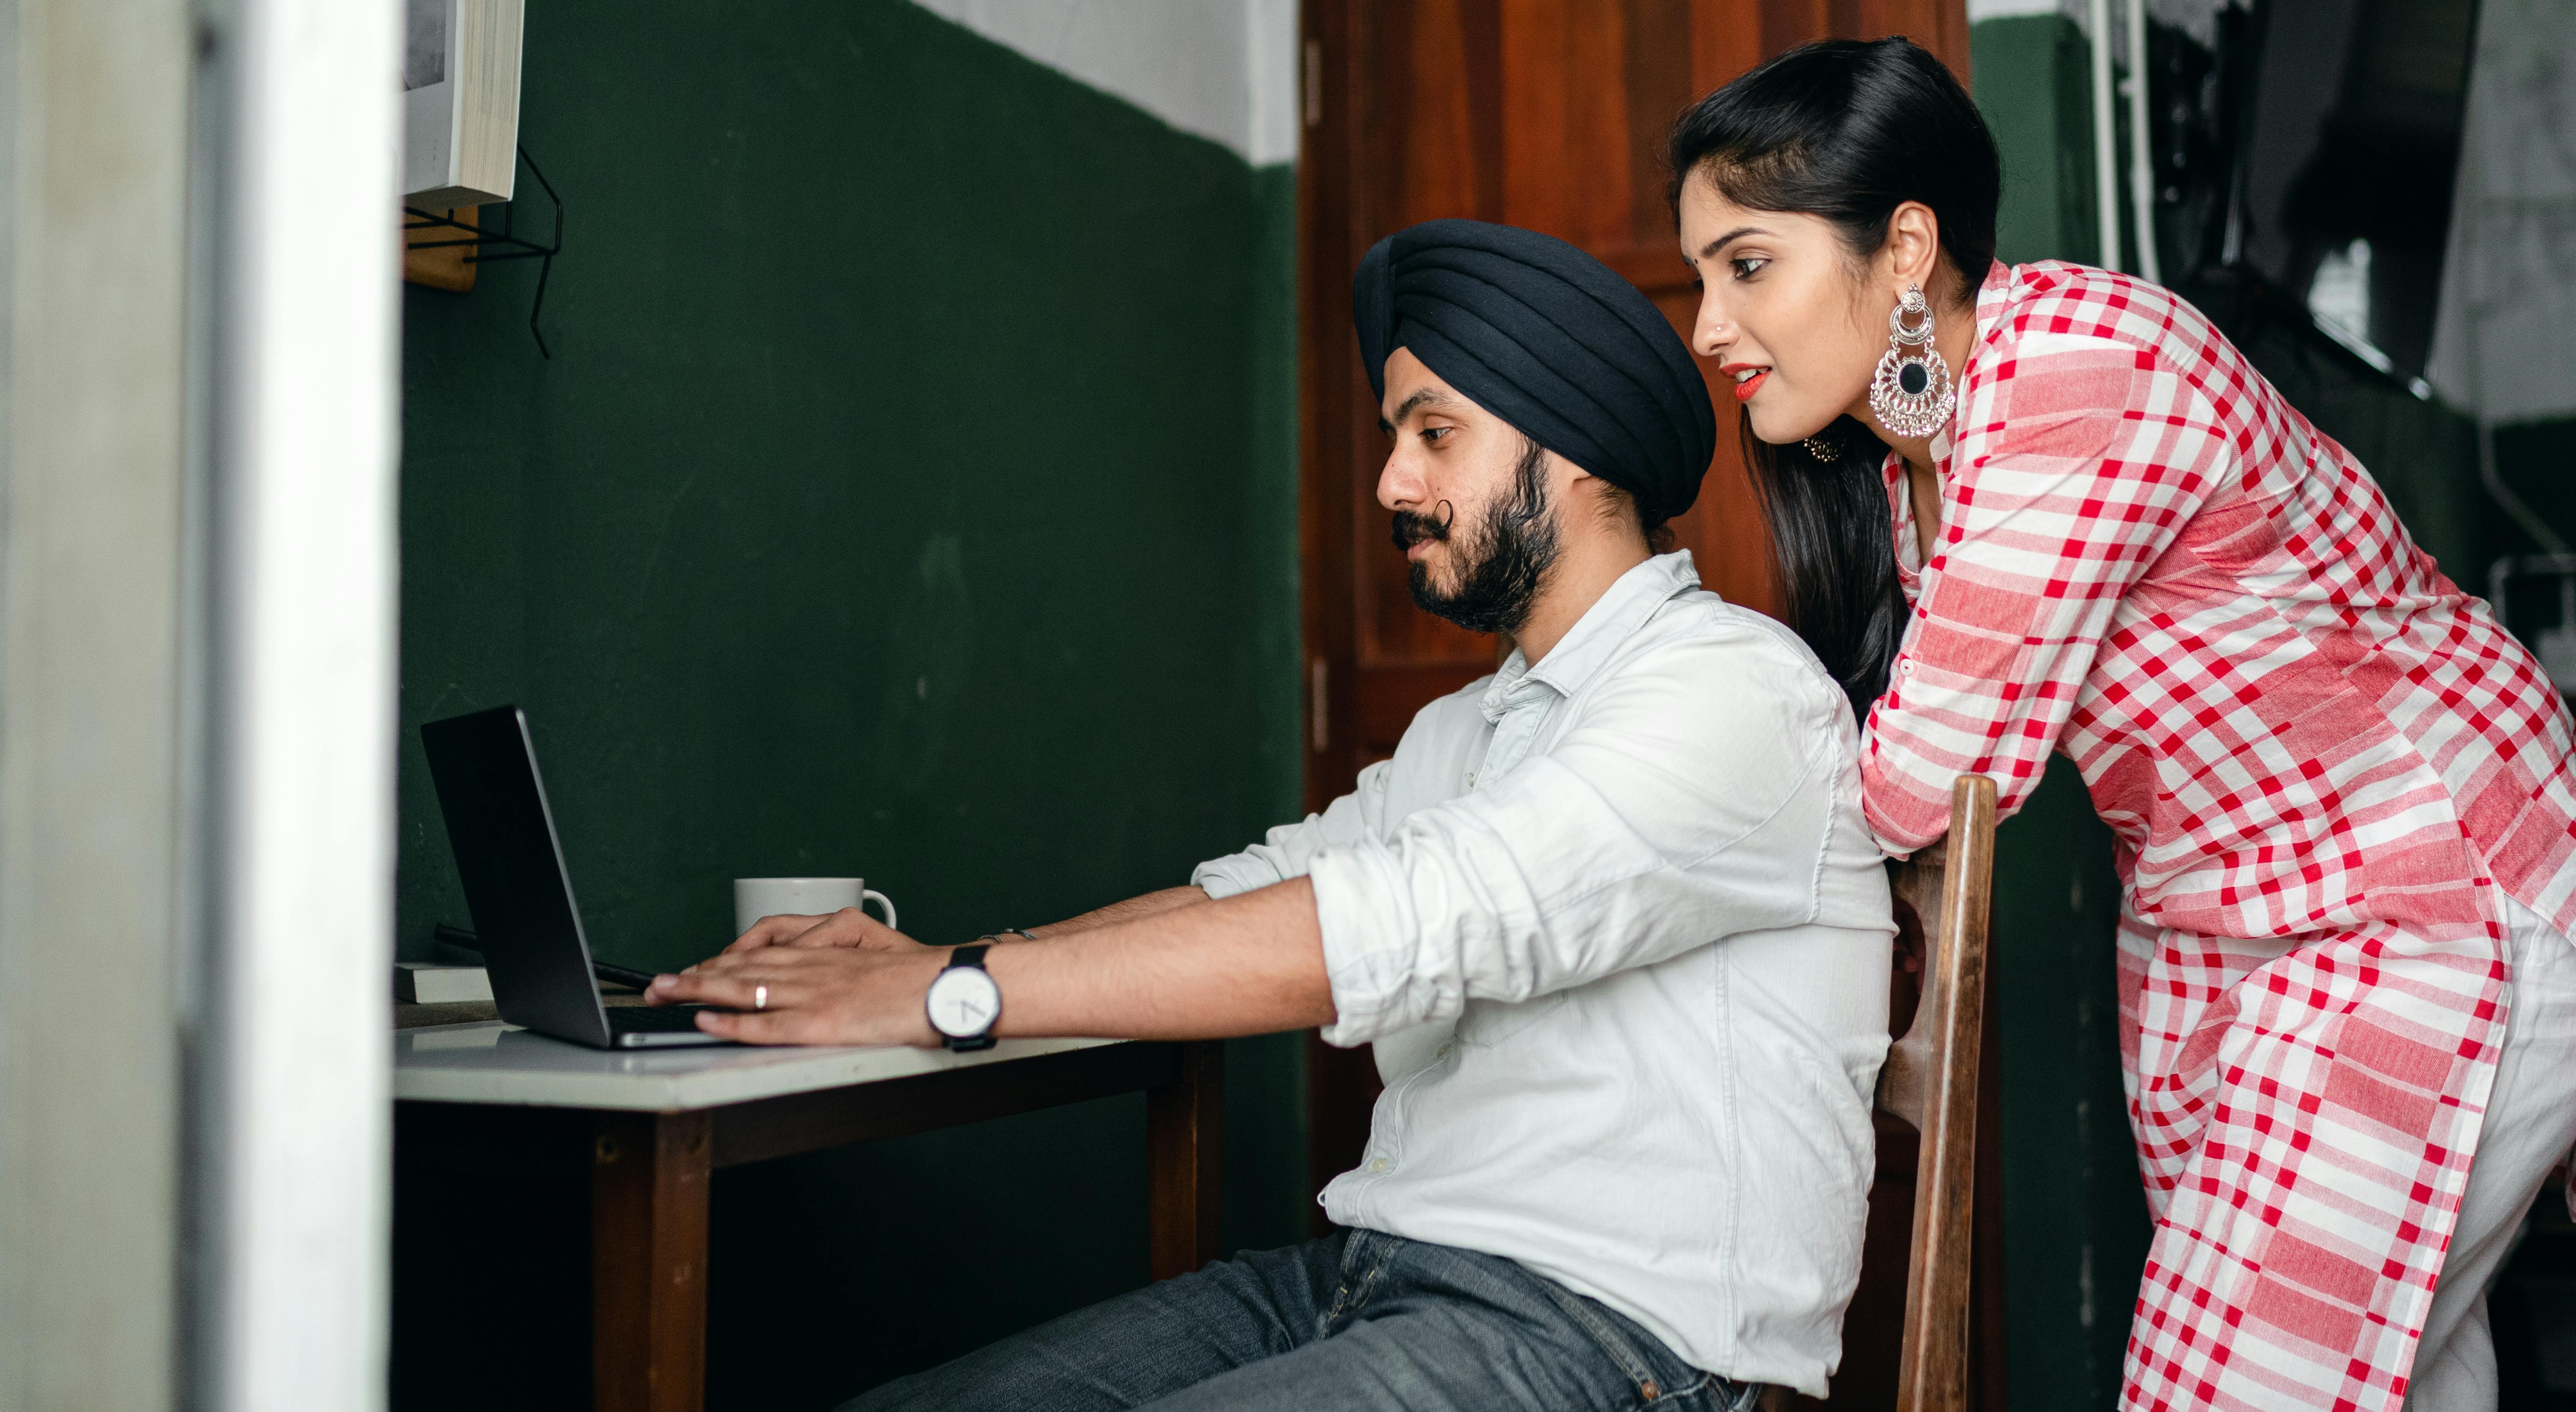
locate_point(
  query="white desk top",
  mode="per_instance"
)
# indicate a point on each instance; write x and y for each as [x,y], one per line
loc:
[486,1061]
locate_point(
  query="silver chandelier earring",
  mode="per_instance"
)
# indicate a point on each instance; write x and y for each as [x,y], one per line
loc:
[1911,392]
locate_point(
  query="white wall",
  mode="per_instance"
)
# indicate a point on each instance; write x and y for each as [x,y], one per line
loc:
[93,192]
[1223,69]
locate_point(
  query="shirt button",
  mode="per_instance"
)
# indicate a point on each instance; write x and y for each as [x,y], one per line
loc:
[1471,779]
[1377,1164]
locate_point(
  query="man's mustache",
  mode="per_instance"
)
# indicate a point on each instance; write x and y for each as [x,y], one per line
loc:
[1412,528]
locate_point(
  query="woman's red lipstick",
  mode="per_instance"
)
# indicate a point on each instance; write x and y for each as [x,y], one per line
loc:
[1744,390]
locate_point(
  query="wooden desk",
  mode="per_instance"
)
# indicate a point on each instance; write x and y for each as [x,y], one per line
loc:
[651,1127]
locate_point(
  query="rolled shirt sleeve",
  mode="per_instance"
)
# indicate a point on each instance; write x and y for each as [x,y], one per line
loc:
[1286,851]
[1625,842]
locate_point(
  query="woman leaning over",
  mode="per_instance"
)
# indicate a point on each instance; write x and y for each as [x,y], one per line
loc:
[2048,508]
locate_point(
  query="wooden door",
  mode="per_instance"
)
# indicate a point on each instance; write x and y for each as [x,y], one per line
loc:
[1549,114]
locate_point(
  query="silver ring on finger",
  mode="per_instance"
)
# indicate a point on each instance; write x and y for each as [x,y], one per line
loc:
[760,997]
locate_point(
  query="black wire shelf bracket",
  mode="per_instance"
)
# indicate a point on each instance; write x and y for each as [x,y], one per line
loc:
[488,245]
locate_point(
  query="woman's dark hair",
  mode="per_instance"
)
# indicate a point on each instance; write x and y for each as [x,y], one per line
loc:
[1845,130]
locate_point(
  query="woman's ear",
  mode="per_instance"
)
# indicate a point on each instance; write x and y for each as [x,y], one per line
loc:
[1913,244]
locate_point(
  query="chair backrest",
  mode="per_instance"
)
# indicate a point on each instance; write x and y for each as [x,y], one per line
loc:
[1930,1081]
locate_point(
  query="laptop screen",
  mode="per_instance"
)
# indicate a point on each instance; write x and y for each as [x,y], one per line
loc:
[484,766]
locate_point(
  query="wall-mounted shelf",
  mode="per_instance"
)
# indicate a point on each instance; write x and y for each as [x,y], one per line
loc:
[484,244]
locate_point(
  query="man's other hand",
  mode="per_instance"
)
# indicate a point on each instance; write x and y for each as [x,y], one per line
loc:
[823,992]
[850,927]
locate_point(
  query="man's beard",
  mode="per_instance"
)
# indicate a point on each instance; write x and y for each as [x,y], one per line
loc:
[1501,565]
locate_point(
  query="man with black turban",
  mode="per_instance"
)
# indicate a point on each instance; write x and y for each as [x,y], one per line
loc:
[1610,917]
[1544,338]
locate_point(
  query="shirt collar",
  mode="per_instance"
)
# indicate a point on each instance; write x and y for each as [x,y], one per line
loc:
[1585,647]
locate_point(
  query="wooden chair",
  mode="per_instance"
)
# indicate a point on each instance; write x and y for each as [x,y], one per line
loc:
[1930,1082]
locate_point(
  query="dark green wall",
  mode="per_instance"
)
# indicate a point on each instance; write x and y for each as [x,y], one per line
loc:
[911,492]
[2032,85]
[2075,1213]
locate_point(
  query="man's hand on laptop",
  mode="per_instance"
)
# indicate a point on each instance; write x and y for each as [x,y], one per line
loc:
[861,991]
[849,927]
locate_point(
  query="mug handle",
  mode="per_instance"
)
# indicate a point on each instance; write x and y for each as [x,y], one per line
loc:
[869,894]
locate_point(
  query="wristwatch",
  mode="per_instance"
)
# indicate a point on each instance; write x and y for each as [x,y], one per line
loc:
[964,1002]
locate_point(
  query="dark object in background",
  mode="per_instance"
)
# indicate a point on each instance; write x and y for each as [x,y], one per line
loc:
[2306,164]
[2196,95]
[2533,1311]
[2358,188]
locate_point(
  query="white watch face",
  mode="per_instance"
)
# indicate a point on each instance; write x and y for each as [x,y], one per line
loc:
[964,1002]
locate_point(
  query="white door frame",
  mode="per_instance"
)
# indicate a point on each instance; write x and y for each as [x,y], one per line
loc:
[297,249]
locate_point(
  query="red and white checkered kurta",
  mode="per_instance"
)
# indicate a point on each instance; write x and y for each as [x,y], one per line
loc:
[2323,762]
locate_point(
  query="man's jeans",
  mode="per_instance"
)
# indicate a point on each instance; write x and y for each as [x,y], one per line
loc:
[1358,1321]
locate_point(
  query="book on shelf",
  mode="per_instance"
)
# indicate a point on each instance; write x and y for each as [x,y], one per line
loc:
[460,101]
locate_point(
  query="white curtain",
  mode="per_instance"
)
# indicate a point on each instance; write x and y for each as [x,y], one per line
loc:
[2504,339]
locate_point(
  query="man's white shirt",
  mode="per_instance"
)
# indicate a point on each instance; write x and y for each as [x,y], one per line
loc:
[1622,941]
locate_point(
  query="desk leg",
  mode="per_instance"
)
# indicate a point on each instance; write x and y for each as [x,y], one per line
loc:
[1186,1143]
[649,1184]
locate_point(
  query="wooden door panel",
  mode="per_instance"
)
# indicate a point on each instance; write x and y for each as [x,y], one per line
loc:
[1445,107]
[1391,694]
[1442,66]
[1723,529]
[1567,167]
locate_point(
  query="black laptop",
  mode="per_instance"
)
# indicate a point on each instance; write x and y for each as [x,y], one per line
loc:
[485,768]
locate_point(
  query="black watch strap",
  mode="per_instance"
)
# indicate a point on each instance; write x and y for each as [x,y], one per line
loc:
[968,956]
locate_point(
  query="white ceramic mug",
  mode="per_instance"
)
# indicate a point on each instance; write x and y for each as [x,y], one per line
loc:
[755,898]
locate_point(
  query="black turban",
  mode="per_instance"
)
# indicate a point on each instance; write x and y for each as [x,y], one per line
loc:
[1545,337]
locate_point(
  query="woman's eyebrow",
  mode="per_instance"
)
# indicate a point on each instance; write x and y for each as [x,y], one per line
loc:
[1709,251]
